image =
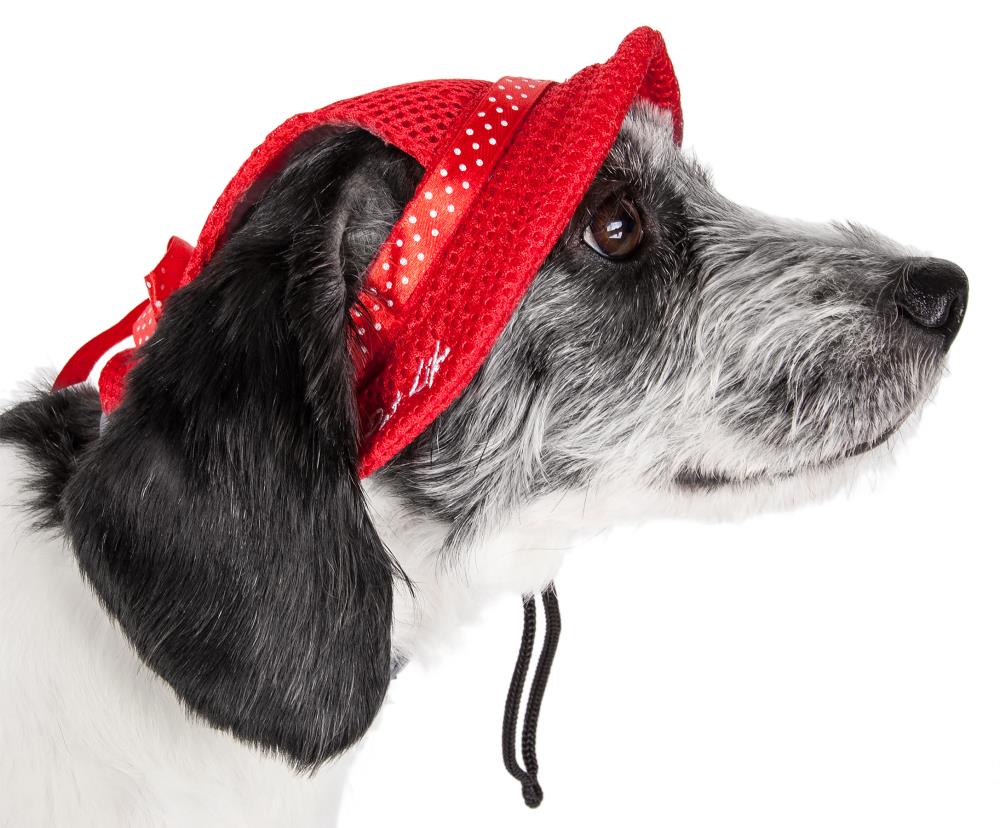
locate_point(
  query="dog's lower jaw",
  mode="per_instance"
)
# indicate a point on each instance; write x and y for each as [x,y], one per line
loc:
[449,588]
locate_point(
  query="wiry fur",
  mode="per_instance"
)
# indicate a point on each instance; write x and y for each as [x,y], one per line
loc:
[737,349]
[733,360]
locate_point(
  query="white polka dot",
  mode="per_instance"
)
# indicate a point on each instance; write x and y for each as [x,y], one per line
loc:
[434,232]
[416,237]
[388,286]
[451,208]
[514,107]
[509,97]
[389,302]
[377,307]
[404,261]
[449,189]
[434,213]
[517,86]
[378,326]
[405,280]
[399,242]
[457,151]
[428,195]
[420,257]
[465,185]
[493,140]
[361,331]
[492,99]
[159,304]
[499,109]
[413,219]
[501,87]
[469,131]
[444,173]
[462,167]
[503,123]
[488,126]
[523,95]
[475,146]
[149,283]
[482,114]
[385,266]
[479,162]
[364,350]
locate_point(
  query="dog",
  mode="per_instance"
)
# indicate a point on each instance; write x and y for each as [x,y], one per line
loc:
[676,353]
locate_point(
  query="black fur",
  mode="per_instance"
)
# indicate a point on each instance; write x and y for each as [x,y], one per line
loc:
[219,515]
[52,431]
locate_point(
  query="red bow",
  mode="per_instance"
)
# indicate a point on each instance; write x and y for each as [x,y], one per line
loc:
[162,280]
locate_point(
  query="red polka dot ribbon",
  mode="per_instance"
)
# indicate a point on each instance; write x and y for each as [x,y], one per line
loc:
[449,187]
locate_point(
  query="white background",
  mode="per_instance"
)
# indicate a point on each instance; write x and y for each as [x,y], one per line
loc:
[834,666]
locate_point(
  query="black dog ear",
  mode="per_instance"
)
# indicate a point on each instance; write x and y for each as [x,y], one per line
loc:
[219,516]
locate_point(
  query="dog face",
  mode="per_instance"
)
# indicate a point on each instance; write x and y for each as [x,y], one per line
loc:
[672,342]
[677,343]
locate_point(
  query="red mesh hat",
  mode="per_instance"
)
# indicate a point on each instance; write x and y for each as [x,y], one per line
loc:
[464,250]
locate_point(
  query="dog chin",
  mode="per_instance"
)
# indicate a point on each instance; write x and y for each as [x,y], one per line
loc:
[696,480]
[717,496]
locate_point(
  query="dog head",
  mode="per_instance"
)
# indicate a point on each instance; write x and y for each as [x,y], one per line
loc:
[688,352]
[671,342]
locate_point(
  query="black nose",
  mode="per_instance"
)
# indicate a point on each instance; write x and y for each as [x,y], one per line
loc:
[932,294]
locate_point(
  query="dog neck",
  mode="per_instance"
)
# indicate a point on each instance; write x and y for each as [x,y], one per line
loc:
[449,587]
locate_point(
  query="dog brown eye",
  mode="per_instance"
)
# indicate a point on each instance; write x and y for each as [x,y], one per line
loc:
[615,229]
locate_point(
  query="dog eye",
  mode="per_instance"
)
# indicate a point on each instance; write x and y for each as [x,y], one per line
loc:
[615,229]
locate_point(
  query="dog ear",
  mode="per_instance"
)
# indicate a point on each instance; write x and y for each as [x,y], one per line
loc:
[219,516]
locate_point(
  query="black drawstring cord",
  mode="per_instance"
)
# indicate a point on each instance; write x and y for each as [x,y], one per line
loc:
[528,776]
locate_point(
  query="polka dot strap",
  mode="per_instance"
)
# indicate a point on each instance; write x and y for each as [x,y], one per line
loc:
[449,187]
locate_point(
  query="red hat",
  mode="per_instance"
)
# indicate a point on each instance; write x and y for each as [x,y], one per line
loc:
[464,250]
